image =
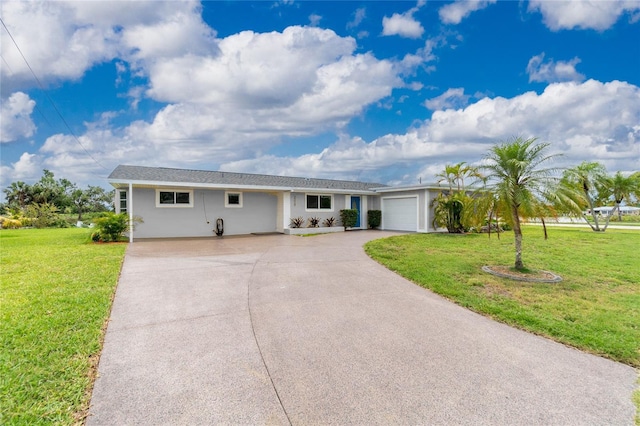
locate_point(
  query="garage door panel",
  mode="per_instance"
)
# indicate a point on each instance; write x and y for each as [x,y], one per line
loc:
[400,214]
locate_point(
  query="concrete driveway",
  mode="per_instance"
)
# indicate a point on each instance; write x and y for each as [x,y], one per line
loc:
[281,330]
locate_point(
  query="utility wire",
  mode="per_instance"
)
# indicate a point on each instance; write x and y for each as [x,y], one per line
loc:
[41,86]
[44,117]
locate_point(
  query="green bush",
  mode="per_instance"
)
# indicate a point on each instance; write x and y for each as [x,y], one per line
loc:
[44,215]
[349,217]
[448,212]
[374,218]
[8,223]
[110,227]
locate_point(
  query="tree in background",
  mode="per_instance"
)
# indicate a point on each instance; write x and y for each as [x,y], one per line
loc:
[622,188]
[92,199]
[636,193]
[521,186]
[590,180]
[41,203]
[18,195]
[596,188]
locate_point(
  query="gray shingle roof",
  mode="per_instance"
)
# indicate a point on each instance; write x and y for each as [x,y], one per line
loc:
[161,174]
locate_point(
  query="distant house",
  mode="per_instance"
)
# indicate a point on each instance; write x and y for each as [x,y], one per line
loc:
[624,210]
[188,203]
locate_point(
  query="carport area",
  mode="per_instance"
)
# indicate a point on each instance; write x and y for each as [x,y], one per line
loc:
[281,330]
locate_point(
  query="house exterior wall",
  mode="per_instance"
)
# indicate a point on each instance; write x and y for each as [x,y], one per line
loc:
[373,202]
[258,213]
[298,209]
[297,202]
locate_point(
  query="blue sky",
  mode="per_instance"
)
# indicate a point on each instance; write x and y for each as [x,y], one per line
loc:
[382,91]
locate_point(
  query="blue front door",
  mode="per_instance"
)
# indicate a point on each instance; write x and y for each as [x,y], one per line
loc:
[355,204]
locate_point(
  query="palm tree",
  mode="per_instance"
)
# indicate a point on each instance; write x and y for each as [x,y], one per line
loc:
[622,188]
[19,194]
[588,178]
[636,176]
[455,175]
[513,170]
[448,211]
[449,206]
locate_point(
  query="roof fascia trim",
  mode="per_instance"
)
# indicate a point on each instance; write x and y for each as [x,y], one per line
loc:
[408,188]
[115,182]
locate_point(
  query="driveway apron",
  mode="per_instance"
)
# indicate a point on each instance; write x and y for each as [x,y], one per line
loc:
[280,330]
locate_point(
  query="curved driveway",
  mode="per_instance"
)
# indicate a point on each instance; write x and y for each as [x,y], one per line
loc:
[284,330]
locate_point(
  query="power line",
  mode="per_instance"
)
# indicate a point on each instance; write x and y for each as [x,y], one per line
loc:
[41,86]
[44,117]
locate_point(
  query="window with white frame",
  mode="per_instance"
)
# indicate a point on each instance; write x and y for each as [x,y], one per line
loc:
[122,201]
[174,198]
[319,202]
[233,199]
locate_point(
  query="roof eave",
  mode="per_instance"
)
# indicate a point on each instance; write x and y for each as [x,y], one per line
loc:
[119,183]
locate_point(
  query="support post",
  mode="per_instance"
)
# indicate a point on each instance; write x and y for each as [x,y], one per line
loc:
[130,212]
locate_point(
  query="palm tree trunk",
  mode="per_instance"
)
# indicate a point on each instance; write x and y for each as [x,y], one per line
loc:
[588,223]
[544,226]
[609,218]
[517,232]
[490,221]
[619,211]
[593,213]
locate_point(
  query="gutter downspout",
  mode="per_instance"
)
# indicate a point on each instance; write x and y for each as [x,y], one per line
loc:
[130,212]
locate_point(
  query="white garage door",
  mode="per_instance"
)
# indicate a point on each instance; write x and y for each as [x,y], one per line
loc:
[400,214]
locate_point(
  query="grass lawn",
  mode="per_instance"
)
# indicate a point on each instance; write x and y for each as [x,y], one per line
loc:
[595,308]
[56,289]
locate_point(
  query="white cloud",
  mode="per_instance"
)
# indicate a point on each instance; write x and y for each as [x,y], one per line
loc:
[553,71]
[295,83]
[454,13]
[314,20]
[61,40]
[252,69]
[358,17]
[181,33]
[403,24]
[27,168]
[583,14]
[15,117]
[265,86]
[452,98]
[584,121]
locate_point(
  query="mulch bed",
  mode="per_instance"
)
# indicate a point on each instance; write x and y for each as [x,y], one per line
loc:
[512,274]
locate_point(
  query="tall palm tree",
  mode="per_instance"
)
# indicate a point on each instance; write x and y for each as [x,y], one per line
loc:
[448,175]
[587,177]
[514,173]
[455,175]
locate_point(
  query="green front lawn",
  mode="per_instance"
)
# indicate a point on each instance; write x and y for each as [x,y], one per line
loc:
[595,308]
[56,289]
